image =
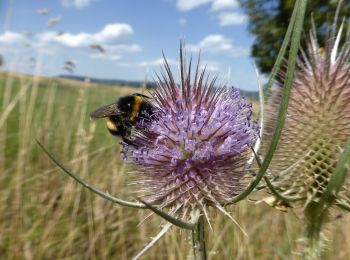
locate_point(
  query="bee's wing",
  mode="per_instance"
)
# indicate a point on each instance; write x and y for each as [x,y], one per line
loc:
[106,111]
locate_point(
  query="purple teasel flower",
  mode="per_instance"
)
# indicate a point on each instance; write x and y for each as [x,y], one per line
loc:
[191,155]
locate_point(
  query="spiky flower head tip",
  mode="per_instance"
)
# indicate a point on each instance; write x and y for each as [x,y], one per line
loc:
[191,154]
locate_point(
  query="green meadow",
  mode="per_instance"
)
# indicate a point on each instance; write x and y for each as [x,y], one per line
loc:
[44,214]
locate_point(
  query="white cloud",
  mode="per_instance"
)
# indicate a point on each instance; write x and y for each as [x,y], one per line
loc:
[212,66]
[217,43]
[104,56]
[156,62]
[76,3]
[115,52]
[187,5]
[218,7]
[9,37]
[17,43]
[224,4]
[67,39]
[182,21]
[110,34]
[114,32]
[147,63]
[232,18]
[113,38]
[131,48]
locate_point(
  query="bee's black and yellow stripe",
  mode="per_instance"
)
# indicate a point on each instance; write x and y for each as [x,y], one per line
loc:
[136,107]
[112,127]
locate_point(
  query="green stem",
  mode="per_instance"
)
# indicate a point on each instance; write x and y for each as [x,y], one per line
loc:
[199,241]
[313,232]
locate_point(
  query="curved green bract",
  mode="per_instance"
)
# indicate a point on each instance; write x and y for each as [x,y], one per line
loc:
[281,54]
[297,23]
[88,185]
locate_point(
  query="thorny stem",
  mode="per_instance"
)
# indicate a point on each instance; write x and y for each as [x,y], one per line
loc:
[199,241]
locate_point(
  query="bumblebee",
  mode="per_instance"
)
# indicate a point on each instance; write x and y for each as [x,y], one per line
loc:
[126,114]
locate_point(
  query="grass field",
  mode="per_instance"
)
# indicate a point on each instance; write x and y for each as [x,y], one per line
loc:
[46,215]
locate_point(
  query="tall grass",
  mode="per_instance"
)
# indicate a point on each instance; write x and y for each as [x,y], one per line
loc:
[46,215]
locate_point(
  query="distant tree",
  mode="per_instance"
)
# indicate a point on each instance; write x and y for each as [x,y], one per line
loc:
[269,21]
[1,61]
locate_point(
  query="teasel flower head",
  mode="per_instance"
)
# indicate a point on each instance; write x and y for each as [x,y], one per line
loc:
[191,155]
[317,123]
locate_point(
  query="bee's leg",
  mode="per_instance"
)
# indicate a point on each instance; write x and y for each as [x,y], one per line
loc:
[129,142]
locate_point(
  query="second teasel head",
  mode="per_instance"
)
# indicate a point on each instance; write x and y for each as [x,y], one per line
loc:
[317,122]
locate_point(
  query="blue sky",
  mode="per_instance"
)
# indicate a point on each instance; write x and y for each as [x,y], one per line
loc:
[39,36]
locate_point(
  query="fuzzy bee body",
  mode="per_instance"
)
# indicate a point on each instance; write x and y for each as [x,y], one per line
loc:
[126,114]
